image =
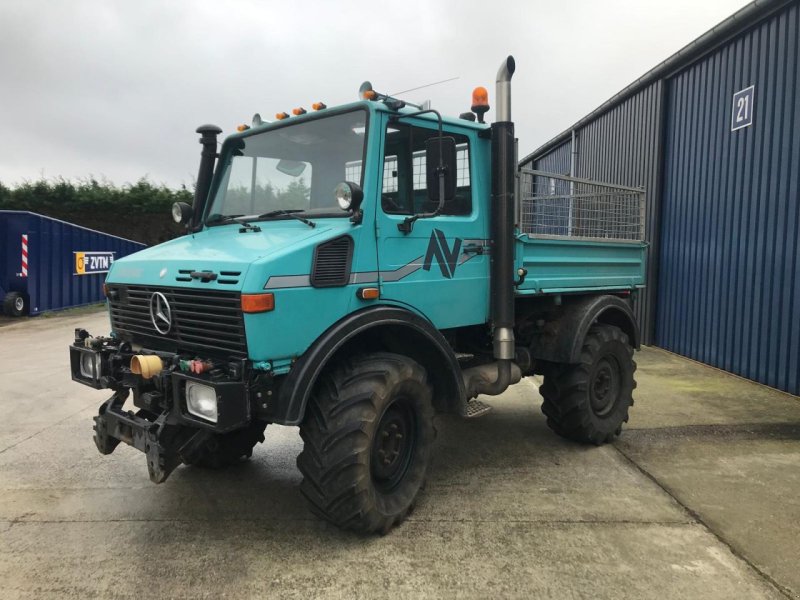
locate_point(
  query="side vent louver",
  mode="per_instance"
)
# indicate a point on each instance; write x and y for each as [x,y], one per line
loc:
[332,261]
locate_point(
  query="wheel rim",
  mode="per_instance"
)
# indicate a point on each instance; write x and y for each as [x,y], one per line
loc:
[393,445]
[19,303]
[605,385]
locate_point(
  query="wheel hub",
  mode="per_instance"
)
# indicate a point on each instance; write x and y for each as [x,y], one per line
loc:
[392,446]
[604,388]
[19,303]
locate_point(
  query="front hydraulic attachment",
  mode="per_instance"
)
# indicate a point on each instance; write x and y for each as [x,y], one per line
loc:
[165,445]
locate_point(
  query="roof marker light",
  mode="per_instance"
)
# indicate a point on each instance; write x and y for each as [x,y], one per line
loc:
[299,111]
[243,127]
[281,116]
[319,106]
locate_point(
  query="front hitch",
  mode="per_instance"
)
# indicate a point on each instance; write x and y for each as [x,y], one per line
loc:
[165,445]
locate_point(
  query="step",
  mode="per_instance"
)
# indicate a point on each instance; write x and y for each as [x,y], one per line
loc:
[476,408]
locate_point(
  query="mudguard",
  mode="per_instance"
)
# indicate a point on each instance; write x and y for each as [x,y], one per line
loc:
[561,339]
[385,328]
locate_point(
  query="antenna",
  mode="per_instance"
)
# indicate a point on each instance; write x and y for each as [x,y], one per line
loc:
[425,86]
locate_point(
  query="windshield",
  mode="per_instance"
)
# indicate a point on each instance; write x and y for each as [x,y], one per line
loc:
[294,168]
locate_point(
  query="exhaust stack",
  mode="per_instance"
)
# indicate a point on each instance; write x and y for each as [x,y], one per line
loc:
[502,243]
[502,225]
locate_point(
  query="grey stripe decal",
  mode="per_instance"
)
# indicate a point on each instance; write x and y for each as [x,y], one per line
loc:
[287,281]
[364,277]
[404,271]
[294,281]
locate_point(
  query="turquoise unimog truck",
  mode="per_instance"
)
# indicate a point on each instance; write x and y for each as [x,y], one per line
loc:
[355,270]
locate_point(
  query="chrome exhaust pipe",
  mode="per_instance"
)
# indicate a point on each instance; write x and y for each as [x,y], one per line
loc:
[503,83]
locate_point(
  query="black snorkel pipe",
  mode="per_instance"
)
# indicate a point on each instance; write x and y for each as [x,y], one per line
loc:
[208,156]
[502,242]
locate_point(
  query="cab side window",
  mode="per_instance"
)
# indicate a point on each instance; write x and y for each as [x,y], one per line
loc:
[404,173]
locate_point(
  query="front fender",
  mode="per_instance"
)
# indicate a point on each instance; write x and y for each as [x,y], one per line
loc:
[375,328]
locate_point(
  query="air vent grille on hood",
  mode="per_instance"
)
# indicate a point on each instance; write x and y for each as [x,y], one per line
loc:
[332,262]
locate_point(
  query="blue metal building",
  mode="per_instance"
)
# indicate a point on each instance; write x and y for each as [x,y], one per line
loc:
[47,264]
[713,134]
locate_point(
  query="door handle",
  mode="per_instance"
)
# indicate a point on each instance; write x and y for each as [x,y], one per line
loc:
[475,249]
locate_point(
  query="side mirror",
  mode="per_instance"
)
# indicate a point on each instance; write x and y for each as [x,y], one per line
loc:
[445,148]
[181,213]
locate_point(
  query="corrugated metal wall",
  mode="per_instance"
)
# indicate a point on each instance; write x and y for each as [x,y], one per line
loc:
[52,282]
[729,292]
[555,161]
[723,207]
[622,147]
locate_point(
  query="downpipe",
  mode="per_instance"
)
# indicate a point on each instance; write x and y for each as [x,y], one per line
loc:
[502,233]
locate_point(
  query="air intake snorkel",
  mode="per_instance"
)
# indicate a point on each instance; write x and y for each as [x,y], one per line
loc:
[208,139]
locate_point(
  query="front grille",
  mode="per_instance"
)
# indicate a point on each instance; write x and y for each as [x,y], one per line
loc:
[206,321]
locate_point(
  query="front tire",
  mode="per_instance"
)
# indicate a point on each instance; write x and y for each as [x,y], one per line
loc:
[368,434]
[588,402]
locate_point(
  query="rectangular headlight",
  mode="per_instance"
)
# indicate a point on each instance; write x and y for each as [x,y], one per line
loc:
[91,365]
[201,401]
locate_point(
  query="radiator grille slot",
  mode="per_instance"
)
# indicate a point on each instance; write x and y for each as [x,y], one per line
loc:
[332,261]
[226,277]
[209,322]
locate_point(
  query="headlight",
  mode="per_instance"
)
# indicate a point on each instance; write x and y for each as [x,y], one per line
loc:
[201,401]
[91,365]
[348,195]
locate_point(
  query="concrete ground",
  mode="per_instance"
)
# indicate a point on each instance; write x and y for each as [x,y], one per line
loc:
[698,499]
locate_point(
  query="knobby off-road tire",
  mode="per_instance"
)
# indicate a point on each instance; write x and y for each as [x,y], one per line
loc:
[588,402]
[368,433]
[226,449]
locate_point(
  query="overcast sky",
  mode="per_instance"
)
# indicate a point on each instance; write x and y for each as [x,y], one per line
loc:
[115,89]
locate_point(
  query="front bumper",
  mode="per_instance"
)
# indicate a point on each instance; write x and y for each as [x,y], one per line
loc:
[162,428]
[166,446]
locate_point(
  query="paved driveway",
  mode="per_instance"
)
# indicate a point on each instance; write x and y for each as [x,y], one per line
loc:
[698,499]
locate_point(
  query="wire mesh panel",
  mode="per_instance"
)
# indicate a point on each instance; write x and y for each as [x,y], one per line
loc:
[553,205]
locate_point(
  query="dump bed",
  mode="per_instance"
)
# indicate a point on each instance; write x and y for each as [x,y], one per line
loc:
[577,235]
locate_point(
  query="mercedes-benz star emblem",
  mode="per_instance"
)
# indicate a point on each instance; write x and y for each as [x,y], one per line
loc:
[160,313]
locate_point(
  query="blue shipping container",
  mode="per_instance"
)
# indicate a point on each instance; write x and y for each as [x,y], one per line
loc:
[53,264]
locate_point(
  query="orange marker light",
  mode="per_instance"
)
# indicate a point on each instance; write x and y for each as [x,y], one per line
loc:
[319,105]
[370,95]
[242,127]
[298,111]
[369,293]
[257,303]
[281,116]
[480,97]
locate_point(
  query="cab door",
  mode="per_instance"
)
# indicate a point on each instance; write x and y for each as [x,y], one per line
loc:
[441,267]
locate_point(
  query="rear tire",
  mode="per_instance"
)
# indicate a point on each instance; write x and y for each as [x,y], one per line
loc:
[226,449]
[15,304]
[588,402]
[368,434]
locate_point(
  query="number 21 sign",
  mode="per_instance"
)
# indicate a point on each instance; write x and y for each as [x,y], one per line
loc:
[743,108]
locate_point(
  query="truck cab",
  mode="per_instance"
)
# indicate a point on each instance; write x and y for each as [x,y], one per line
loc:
[353,271]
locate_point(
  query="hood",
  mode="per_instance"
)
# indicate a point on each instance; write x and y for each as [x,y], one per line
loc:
[222,249]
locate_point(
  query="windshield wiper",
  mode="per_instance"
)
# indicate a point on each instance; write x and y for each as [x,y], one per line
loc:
[287,212]
[221,219]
